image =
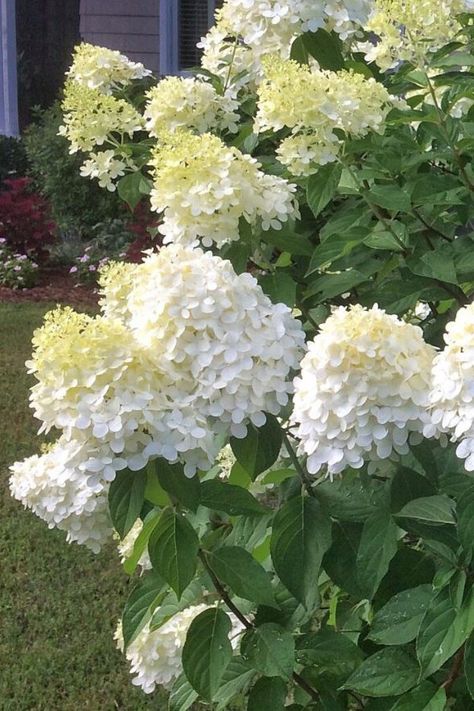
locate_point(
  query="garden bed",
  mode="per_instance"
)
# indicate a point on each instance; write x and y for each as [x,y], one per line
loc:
[55,285]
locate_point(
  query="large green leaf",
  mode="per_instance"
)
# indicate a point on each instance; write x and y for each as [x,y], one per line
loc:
[301,535]
[443,630]
[350,499]
[246,578]
[408,484]
[170,604]
[322,186]
[390,672]
[399,620]
[141,603]
[425,697]
[235,679]
[334,654]
[182,695]
[260,448]
[340,561]
[390,197]
[326,48]
[465,520]
[173,549]
[280,287]
[126,497]
[173,480]
[269,649]
[132,187]
[207,652]
[233,500]
[378,545]
[429,509]
[268,694]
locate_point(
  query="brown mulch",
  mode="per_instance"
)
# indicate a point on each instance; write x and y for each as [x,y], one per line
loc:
[56,286]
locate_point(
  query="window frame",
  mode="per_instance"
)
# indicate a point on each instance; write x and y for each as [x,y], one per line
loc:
[169,35]
[8,70]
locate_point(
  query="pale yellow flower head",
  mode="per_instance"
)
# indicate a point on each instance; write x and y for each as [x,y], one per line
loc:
[204,188]
[90,117]
[409,31]
[105,69]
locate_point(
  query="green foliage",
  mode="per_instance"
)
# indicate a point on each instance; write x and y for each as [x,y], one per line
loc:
[77,204]
[13,159]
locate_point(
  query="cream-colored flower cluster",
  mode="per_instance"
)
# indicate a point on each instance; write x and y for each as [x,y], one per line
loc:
[91,118]
[314,104]
[185,354]
[155,655]
[364,389]
[452,395]
[410,31]
[185,102]
[105,69]
[203,188]
[105,167]
[67,487]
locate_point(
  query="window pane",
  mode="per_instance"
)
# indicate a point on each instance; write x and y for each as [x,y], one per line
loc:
[194,20]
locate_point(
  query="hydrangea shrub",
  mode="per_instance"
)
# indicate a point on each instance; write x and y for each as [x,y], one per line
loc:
[273,412]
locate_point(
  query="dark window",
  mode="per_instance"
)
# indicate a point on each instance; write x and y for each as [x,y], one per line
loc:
[194,19]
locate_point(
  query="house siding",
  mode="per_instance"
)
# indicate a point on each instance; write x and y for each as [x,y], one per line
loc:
[131,27]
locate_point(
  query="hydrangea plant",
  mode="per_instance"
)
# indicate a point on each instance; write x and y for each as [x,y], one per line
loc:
[273,412]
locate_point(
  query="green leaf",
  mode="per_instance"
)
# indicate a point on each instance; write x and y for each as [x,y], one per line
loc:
[246,578]
[173,549]
[407,484]
[465,519]
[399,620]
[390,197]
[340,561]
[443,630]
[322,187]
[389,672]
[378,545]
[186,490]
[270,649]
[126,497]
[333,653]
[268,694]
[207,652]
[236,677]
[437,264]
[349,499]
[301,534]
[431,186]
[280,287]
[231,499]
[425,697]
[287,240]
[170,604]
[182,695]
[326,48]
[131,189]
[141,603]
[431,509]
[141,543]
[469,665]
[260,448]
[154,492]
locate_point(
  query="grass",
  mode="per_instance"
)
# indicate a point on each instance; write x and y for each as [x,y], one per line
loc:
[59,604]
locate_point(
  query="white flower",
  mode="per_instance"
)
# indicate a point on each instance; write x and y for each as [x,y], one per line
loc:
[125,546]
[452,395]
[105,167]
[105,69]
[204,188]
[364,388]
[155,656]
[178,102]
[67,487]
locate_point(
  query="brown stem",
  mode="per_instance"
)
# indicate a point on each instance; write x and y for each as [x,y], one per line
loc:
[455,671]
[297,678]
[297,465]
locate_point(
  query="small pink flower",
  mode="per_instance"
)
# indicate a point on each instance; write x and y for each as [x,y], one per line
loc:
[92,268]
[72,270]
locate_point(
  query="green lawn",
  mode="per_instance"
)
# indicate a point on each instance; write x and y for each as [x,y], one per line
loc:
[58,603]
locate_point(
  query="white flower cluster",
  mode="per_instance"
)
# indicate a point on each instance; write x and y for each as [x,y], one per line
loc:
[452,395]
[155,655]
[315,104]
[105,69]
[184,102]
[410,31]
[204,188]
[67,487]
[104,167]
[364,388]
[186,353]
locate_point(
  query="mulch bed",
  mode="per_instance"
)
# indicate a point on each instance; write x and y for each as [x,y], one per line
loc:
[55,285]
